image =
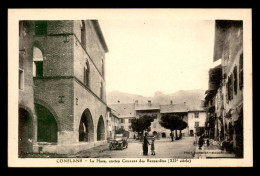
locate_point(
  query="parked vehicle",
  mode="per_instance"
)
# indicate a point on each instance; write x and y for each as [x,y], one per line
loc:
[119,142]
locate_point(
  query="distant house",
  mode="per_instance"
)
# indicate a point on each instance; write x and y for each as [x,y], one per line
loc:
[112,123]
[180,109]
[127,112]
[196,121]
[152,110]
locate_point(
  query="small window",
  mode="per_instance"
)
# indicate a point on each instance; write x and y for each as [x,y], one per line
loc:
[21,79]
[101,90]
[40,27]
[102,67]
[83,33]
[197,124]
[39,68]
[235,79]
[86,74]
[37,62]
[230,87]
[241,71]
[196,114]
[227,95]
[129,120]
[122,121]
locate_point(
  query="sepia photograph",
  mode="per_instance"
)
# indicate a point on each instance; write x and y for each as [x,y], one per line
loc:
[130,88]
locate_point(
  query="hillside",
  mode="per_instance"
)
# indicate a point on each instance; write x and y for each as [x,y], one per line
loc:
[191,97]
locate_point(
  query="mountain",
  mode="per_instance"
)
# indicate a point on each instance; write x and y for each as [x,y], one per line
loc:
[115,96]
[191,97]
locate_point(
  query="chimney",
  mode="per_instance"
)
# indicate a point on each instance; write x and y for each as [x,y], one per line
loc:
[171,101]
[149,102]
[136,101]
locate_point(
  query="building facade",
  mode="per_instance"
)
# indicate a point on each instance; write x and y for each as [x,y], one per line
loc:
[196,121]
[126,112]
[151,109]
[225,101]
[112,123]
[67,61]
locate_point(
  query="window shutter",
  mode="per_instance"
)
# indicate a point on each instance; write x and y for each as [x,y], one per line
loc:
[235,79]
[231,86]
[241,72]
[227,93]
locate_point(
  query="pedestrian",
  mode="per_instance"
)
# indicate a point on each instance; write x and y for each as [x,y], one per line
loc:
[201,141]
[145,145]
[171,135]
[152,147]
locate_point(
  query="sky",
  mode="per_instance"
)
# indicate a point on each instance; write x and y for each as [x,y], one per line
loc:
[146,56]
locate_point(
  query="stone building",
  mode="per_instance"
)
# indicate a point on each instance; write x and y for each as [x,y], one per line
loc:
[125,113]
[196,121]
[27,114]
[178,109]
[66,61]
[113,123]
[129,111]
[150,109]
[227,98]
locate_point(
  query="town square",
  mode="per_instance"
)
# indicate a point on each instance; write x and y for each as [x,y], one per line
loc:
[168,89]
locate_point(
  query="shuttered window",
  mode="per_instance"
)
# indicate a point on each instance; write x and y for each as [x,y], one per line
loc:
[235,79]
[241,71]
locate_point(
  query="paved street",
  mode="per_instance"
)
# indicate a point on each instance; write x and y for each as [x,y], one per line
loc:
[164,148]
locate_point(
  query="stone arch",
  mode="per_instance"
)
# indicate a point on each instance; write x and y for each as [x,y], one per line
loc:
[25,130]
[53,112]
[47,130]
[27,109]
[39,45]
[101,129]
[37,62]
[86,127]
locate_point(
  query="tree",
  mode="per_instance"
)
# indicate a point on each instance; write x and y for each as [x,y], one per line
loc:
[182,126]
[142,123]
[172,122]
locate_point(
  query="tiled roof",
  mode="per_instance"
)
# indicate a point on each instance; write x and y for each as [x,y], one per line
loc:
[124,110]
[146,106]
[174,108]
[197,109]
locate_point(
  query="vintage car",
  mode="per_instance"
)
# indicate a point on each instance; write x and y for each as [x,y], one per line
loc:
[119,142]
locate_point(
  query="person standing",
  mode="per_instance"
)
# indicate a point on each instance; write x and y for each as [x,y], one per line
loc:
[152,147]
[145,145]
[171,135]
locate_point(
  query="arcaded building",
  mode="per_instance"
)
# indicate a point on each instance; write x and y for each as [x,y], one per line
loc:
[66,61]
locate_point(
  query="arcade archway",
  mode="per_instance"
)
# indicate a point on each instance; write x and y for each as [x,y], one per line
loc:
[86,127]
[47,125]
[25,133]
[101,129]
